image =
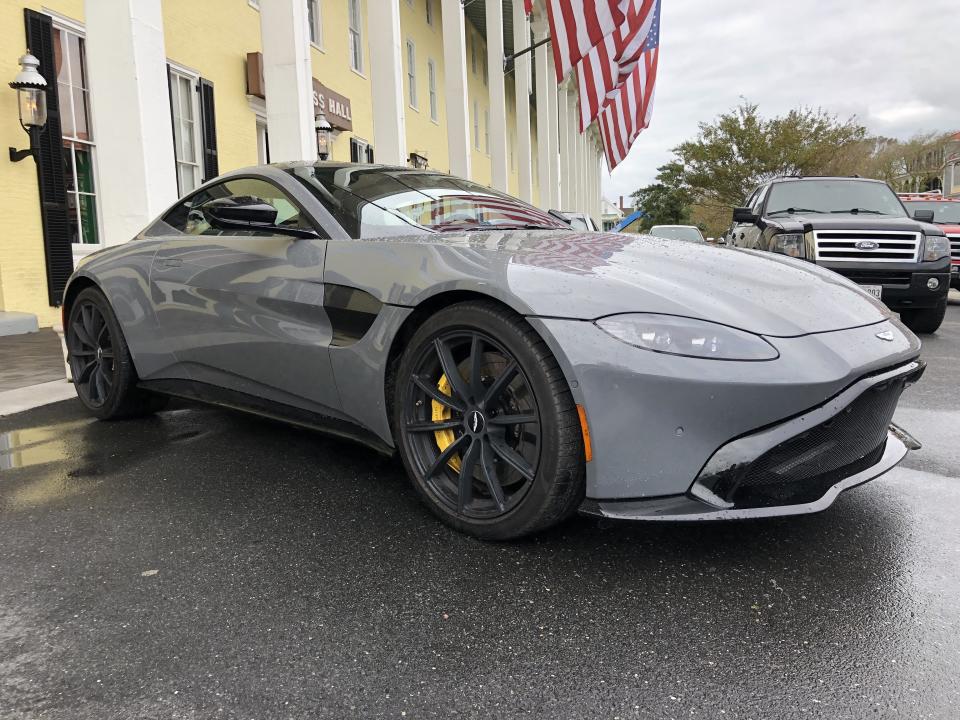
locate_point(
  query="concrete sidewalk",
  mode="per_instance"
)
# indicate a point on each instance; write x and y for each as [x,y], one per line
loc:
[32,372]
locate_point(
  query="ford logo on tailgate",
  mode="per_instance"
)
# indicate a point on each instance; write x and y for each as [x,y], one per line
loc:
[867,245]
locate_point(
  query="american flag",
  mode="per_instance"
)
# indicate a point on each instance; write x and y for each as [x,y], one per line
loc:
[627,113]
[577,26]
[609,64]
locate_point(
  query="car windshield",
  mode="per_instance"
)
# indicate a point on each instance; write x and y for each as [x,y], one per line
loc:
[677,232]
[944,212]
[372,201]
[833,197]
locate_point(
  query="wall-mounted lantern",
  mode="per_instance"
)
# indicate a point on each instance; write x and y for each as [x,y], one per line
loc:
[324,140]
[31,90]
[418,161]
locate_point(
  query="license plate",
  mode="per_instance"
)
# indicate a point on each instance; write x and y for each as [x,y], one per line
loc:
[875,290]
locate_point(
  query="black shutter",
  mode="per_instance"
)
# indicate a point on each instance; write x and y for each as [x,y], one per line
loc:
[370,154]
[54,208]
[211,166]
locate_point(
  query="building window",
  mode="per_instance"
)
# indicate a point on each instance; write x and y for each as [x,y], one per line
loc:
[360,151]
[78,146]
[356,35]
[429,12]
[315,21]
[432,87]
[476,125]
[263,142]
[412,74]
[185,106]
[486,131]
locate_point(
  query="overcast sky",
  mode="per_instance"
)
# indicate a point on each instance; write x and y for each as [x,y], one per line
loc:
[895,64]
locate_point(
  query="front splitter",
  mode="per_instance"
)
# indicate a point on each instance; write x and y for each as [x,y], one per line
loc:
[684,508]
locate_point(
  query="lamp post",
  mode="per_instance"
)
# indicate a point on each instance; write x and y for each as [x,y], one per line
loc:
[31,90]
[323,128]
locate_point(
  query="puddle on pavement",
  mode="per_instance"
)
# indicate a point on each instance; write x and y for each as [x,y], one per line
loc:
[36,445]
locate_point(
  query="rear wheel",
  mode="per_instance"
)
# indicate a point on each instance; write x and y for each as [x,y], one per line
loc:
[487,427]
[100,362]
[925,321]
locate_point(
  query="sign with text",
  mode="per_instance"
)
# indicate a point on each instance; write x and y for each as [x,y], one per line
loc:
[333,105]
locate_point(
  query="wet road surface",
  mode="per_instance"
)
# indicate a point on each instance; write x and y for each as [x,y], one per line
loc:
[207,564]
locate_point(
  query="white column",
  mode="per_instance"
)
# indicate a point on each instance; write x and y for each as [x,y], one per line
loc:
[563,130]
[498,95]
[288,80]
[455,88]
[127,69]
[521,81]
[386,81]
[546,116]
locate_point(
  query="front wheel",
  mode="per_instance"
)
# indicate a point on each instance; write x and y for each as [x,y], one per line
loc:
[487,427]
[925,321]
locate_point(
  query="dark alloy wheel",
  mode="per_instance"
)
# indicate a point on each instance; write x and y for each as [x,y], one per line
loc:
[100,363]
[92,359]
[482,414]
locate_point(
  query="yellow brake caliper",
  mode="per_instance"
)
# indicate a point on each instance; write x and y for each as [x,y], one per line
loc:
[440,413]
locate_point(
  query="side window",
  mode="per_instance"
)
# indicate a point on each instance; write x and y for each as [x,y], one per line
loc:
[758,197]
[193,216]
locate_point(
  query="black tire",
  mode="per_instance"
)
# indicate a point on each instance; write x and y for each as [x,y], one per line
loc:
[100,363]
[506,372]
[925,321]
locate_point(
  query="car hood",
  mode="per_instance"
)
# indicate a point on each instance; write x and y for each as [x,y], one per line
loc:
[816,221]
[603,274]
[585,276]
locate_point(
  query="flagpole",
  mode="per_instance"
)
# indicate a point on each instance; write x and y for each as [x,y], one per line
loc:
[508,59]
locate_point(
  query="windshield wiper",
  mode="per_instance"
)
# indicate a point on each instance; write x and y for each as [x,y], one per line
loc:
[794,211]
[460,227]
[857,211]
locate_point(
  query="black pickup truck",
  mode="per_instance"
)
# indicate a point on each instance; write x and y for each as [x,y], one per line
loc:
[860,229]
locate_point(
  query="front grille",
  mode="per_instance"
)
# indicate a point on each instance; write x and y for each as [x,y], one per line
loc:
[954,246]
[874,277]
[866,246]
[803,468]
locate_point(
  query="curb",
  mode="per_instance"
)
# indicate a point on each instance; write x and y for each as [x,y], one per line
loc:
[34,396]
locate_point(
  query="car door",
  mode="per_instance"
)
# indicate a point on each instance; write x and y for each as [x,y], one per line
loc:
[748,234]
[241,304]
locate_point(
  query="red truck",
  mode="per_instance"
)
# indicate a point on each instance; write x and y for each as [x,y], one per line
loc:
[946,214]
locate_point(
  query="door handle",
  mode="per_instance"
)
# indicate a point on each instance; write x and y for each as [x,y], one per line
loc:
[170,262]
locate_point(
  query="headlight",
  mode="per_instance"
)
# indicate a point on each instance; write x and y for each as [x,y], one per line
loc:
[684,336]
[935,247]
[791,244]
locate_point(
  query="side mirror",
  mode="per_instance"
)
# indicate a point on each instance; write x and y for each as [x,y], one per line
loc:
[923,215]
[239,213]
[743,215]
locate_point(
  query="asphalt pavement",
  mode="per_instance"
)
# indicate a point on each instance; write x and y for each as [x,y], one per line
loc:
[203,563]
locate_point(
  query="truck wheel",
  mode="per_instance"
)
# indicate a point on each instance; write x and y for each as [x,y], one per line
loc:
[925,321]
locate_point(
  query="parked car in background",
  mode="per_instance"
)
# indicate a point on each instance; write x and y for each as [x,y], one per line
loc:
[860,229]
[581,221]
[946,214]
[520,368]
[688,233]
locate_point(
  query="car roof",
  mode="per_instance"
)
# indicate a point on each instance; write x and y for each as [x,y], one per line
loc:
[801,178]
[920,197]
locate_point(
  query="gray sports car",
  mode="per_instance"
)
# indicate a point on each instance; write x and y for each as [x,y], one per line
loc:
[523,370]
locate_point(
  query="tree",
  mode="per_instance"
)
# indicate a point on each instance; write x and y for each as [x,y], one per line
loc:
[739,150]
[667,201]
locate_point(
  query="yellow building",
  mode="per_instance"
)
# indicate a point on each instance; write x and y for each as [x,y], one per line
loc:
[149,99]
